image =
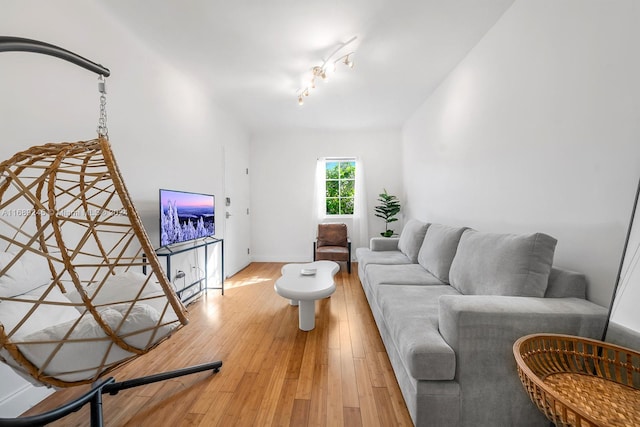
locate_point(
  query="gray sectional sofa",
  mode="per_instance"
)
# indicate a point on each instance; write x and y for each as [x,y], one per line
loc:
[449,303]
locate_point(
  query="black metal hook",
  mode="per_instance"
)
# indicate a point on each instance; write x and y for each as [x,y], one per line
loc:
[18,44]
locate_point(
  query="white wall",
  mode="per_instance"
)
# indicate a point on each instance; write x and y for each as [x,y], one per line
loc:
[164,129]
[538,129]
[282,185]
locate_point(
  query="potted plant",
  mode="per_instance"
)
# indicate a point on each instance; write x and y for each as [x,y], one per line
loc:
[387,210]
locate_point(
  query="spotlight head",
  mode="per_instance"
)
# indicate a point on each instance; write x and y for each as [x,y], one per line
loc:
[318,71]
[300,100]
[348,62]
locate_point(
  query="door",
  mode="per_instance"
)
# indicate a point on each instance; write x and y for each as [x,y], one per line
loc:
[237,236]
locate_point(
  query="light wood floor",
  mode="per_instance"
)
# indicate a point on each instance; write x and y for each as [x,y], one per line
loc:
[272,373]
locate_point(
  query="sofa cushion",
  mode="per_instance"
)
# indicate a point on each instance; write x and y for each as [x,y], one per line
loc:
[502,264]
[411,238]
[411,316]
[438,249]
[366,256]
[407,274]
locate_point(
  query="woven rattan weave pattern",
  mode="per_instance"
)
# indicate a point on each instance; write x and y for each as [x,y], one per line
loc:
[580,382]
[66,205]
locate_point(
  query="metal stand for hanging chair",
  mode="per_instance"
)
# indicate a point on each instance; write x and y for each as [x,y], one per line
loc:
[99,386]
[94,396]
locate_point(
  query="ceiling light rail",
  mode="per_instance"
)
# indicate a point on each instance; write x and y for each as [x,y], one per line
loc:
[328,66]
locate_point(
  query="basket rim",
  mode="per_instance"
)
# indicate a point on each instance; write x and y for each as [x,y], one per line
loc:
[519,341]
[531,376]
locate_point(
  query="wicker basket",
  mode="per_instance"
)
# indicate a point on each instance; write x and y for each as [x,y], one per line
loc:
[577,381]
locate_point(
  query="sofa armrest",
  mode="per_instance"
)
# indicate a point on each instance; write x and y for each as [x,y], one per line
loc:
[481,319]
[481,330]
[384,243]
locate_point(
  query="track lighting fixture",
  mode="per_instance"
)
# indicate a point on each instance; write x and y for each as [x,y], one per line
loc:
[328,66]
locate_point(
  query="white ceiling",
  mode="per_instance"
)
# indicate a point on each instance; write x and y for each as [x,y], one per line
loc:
[255,54]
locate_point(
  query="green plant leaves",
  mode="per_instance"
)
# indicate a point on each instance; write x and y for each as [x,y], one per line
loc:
[387,210]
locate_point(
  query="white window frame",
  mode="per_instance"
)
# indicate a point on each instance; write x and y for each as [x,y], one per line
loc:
[325,180]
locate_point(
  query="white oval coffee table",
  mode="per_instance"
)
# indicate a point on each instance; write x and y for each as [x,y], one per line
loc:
[303,284]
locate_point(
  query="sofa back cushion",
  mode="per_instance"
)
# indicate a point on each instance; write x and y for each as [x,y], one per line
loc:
[411,238]
[438,249]
[502,264]
[566,284]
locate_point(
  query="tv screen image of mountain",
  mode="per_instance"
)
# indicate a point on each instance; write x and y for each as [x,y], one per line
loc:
[185,216]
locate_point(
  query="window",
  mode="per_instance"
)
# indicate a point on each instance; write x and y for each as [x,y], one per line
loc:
[340,189]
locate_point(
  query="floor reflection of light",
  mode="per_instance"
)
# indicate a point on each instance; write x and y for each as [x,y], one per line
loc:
[245,281]
[212,311]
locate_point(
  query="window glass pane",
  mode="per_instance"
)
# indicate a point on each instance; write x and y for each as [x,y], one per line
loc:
[333,207]
[347,188]
[347,170]
[332,189]
[346,206]
[333,170]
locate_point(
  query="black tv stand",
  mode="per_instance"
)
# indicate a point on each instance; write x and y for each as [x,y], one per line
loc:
[202,284]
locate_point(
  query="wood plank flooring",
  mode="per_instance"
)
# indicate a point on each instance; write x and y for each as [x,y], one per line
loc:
[273,374]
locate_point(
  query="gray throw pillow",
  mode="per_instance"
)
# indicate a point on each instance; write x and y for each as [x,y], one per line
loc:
[411,238]
[438,249]
[502,264]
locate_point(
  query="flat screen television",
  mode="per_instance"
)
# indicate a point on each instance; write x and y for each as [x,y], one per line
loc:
[185,216]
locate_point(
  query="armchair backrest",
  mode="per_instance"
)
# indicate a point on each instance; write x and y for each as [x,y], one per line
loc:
[332,235]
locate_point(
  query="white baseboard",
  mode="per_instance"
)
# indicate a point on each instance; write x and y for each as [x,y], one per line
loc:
[22,399]
[271,258]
